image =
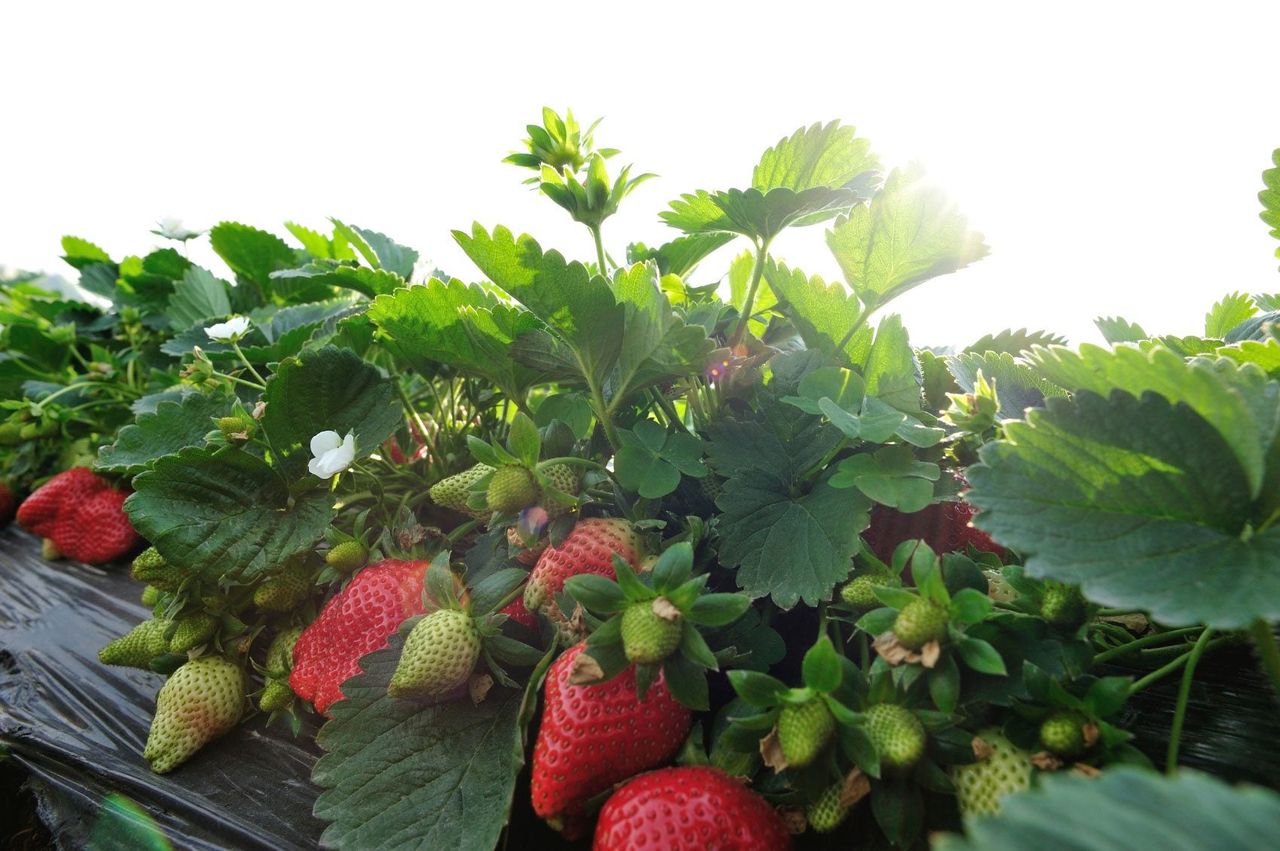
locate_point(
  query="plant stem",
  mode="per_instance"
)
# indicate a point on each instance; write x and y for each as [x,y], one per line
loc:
[1145,641]
[757,272]
[65,390]
[1180,708]
[458,533]
[245,361]
[1269,654]
[603,417]
[595,235]
[1159,674]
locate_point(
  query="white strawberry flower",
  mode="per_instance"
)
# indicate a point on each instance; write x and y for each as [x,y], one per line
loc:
[230,331]
[173,228]
[333,454]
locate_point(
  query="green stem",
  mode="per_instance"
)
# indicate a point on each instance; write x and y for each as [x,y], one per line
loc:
[1265,640]
[245,382]
[1145,641]
[65,390]
[1184,694]
[1158,674]
[757,273]
[595,235]
[1115,613]
[245,361]
[417,419]
[460,531]
[603,417]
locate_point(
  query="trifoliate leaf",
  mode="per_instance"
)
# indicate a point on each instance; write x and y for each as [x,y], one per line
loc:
[821,155]
[1270,197]
[1117,330]
[1018,387]
[400,775]
[224,514]
[782,443]
[757,215]
[329,389]
[251,253]
[681,255]
[379,250]
[1265,355]
[791,547]
[892,373]
[1144,502]
[1260,327]
[173,426]
[823,313]
[1237,401]
[367,282]
[1229,312]
[890,476]
[1014,342]
[459,325]
[651,459]
[199,295]
[81,253]
[1189,812]
[908,234]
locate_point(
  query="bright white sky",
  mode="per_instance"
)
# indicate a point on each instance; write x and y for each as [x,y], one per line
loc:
[1111,152]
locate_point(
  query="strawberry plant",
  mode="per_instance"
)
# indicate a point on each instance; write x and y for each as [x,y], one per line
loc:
[667,542]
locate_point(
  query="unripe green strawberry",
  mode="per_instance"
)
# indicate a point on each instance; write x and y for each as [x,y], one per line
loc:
[648,637]
[347,556]
[860,593]
[804,730]
[438,657]
[712,487]
[1063,734]
[285,591]
[980,785]
[202,700]
[920,622]
[563,478]
[512,488]
[236,428]
[276,694]
[898,735]
[1062,605]
[10,433]
[151,595]
[192,631]
[452,492]
[139,646]
[828,812]
[150,567]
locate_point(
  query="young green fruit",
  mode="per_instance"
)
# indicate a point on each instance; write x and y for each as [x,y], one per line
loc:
[804,730]
[981,785]
[648,637]
[563,478]
[860,593]
[347,556]
[192,631]
[897,734]
[828,812]
[438,657]
[920,622]
[138,647]
[151,595]
[202,700]
[1063,606]
[512,489]
[276,694]
[1063,734]
[285,591]
[452,492]
[150,567]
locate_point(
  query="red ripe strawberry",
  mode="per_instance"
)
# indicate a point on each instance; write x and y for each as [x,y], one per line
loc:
[8,502]
[519,614]
[81,514]
[589,548]
[593,736]
[693,808]
[356,621]
[944,526]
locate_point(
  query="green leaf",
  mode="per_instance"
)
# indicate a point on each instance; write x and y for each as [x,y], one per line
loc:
[823,313]
[756,688]
[368,282]
[1237,401]
[1143,503]
[1189,812]
[673,568]
[459,325]
[329,389]
[523,439]
[1118,330]
[821,666]
[944,684]
[681,255]
[399,775]
[969,606]
[687,682]
[1270,197]
[980,656]
[718,609]
[197,297]
[224,514]
[827,155]
[909,233]
[792,547]
[1014,342]
[1018,386]
[892,373]
[173,426]
[597,593]
[890,476]
[758,215]
[492,589]
[652,459]
[380,250]
[1227,314]
[250,253]
[81,253]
